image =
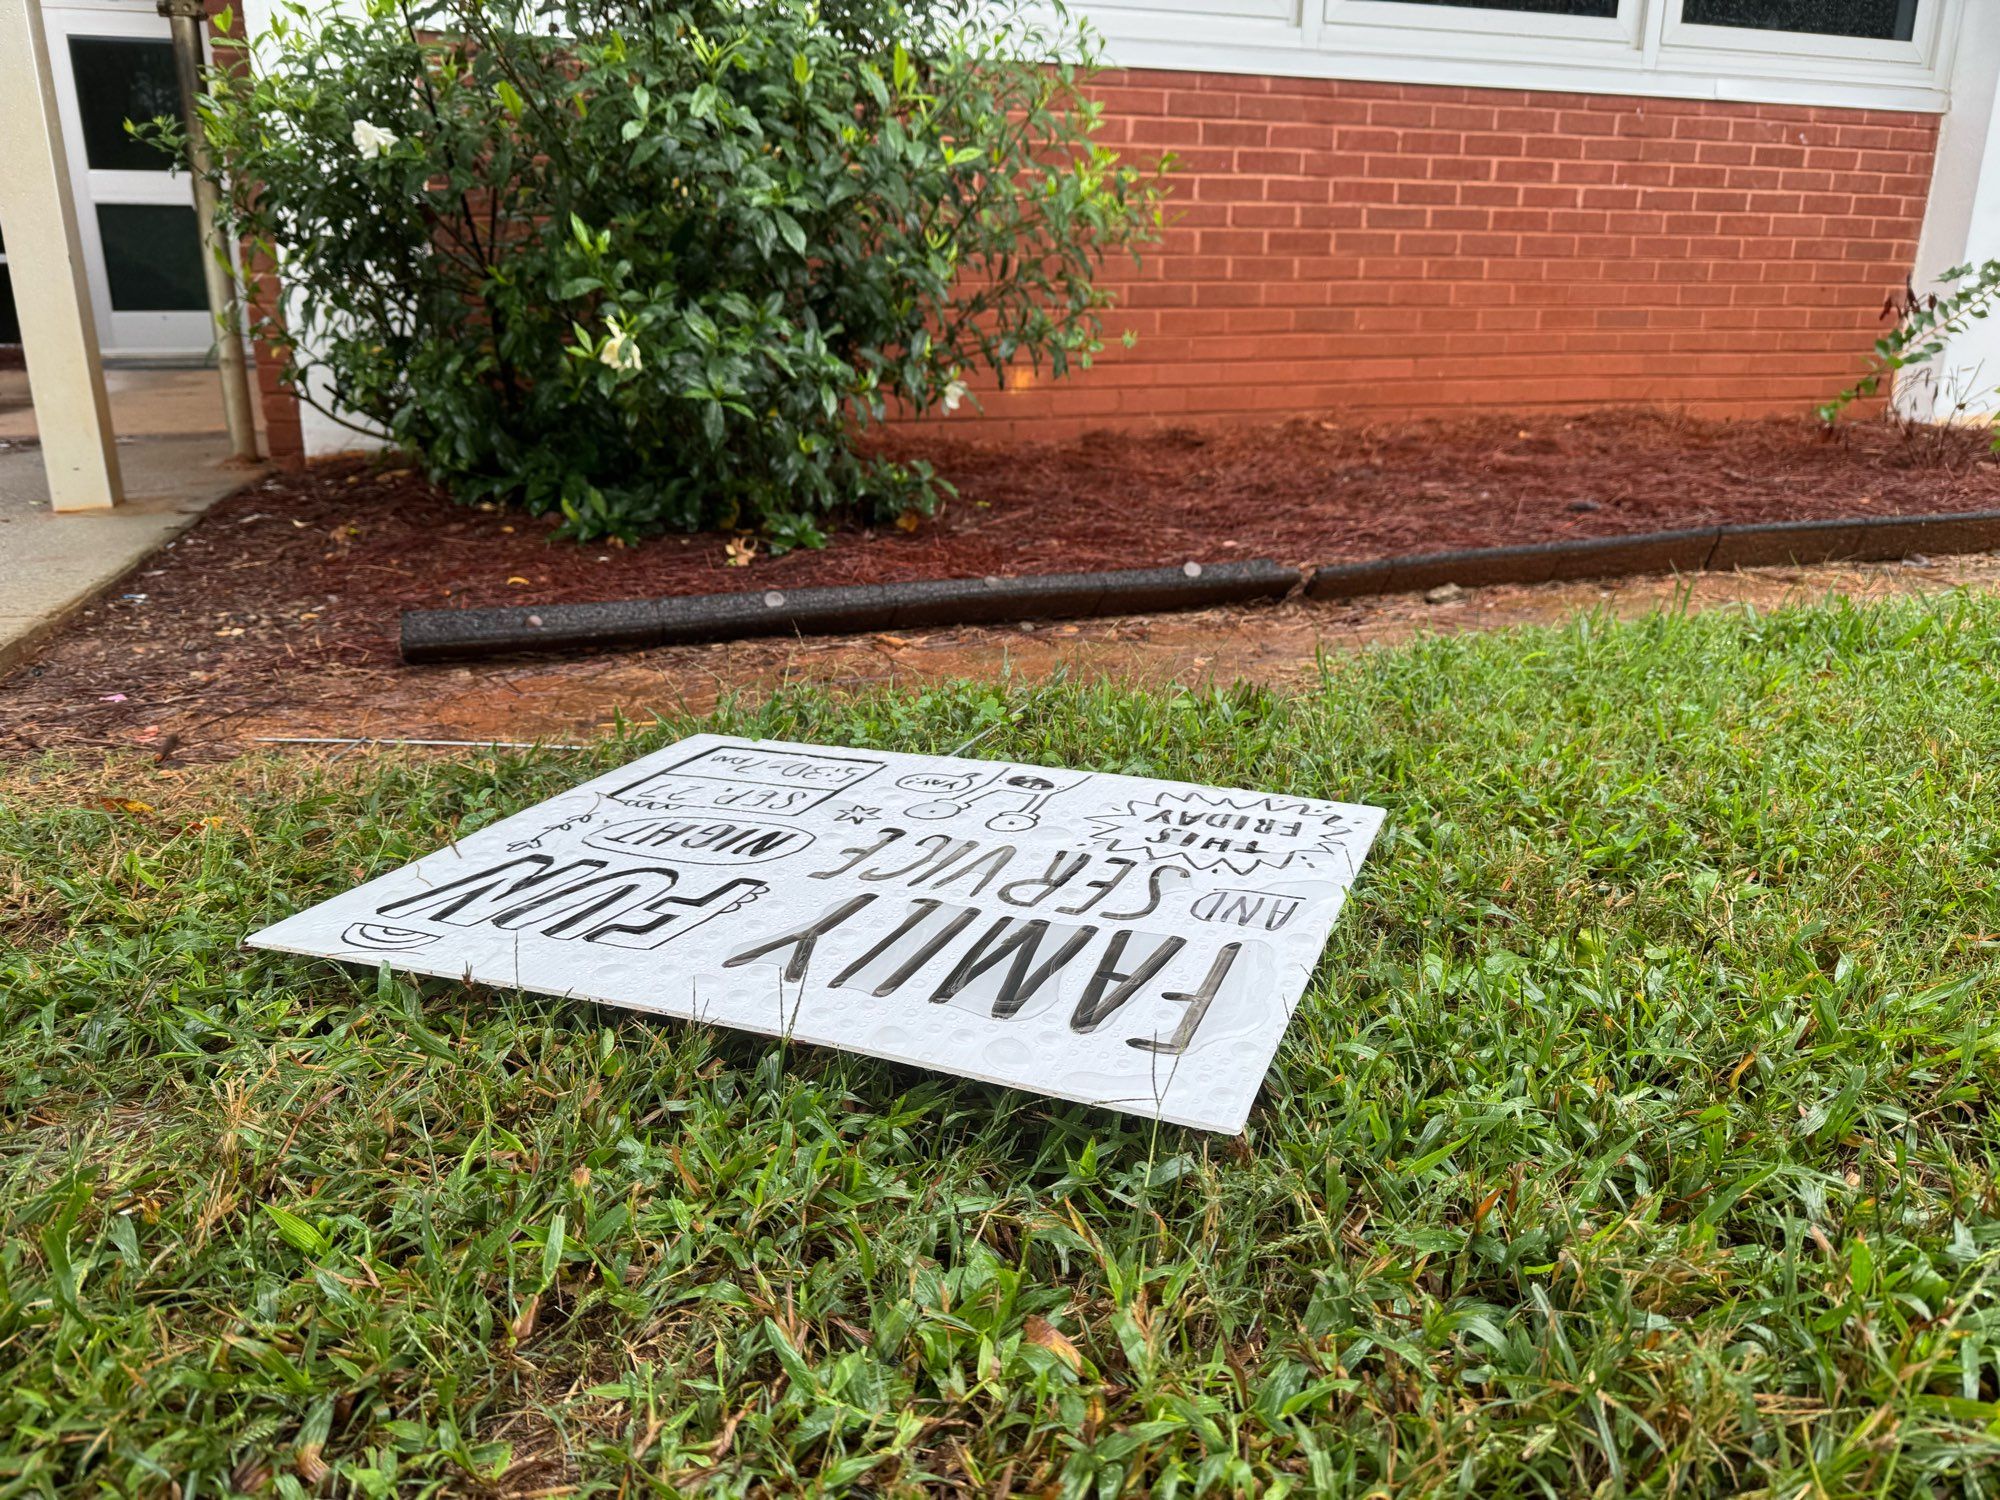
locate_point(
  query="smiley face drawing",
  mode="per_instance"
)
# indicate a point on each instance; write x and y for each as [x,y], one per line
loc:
[1015,797]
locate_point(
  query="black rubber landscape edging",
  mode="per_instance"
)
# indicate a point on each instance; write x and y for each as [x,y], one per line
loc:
[433,635]
[1777,543]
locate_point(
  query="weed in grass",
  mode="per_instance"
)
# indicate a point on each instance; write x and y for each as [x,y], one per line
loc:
[1636,1136]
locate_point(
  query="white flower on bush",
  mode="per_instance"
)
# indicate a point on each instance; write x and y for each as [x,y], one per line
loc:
[372,140]
[954,393]
[620,349]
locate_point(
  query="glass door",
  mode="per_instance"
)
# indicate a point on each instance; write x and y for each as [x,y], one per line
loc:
[135,215]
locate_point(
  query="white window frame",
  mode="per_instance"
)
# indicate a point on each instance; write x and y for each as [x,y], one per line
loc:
[1271,12]
[1647,50]
[1738,51]
[1385,16]
[1390,28]
[1750,40]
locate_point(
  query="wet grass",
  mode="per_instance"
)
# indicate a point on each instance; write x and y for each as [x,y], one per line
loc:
[1637,1135]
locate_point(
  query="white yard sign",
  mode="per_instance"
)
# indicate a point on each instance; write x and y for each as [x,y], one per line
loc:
[1109,939]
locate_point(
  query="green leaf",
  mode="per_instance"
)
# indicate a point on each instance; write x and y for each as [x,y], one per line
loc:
[552,1250]
[297,1232]
[791,230]
[1430,1159]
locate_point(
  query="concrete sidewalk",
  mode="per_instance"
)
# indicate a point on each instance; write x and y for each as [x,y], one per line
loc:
[175,456]
[50,565]
[146,401]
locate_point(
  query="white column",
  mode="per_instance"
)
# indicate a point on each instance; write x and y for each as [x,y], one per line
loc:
[1961,225]
[51,294]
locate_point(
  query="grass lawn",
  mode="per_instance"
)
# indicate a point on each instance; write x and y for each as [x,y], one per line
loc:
[1637,1135]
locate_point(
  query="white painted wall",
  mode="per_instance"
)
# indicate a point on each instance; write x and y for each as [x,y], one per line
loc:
[322,434]
[1963,225]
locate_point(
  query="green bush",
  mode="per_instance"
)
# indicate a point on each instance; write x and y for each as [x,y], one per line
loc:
[662,266]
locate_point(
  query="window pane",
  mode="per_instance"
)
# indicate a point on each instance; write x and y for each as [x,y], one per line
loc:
[118,79]
[152,257]
[1876,20]
[1608,9]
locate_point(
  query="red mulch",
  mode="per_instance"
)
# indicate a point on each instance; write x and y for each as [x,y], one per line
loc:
[314,568]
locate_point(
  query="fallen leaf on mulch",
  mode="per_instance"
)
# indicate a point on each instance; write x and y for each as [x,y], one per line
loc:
[524,1321]
[124,805]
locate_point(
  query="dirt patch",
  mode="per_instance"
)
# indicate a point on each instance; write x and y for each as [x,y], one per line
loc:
[278,612]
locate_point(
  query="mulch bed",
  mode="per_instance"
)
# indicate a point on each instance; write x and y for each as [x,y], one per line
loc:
[311,570]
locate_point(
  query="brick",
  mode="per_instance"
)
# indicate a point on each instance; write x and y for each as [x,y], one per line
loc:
[1299,243]
[1263,215]
[1301,137]
[1427,242]
[1234,133]
[1386,141]
[1402,248]
[1782,156]
[1401,112]
[1232,241]
[1264,164]
[1202,104]
[1300,190]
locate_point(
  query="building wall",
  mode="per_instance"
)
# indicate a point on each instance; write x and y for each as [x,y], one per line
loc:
[1351,250]
[1963,226]
[1491,209]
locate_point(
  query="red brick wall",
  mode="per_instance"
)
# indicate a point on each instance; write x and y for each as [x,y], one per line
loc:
[1373,250]
[284,434]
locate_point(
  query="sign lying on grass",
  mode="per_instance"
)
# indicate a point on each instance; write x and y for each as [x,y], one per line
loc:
[1117,941]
